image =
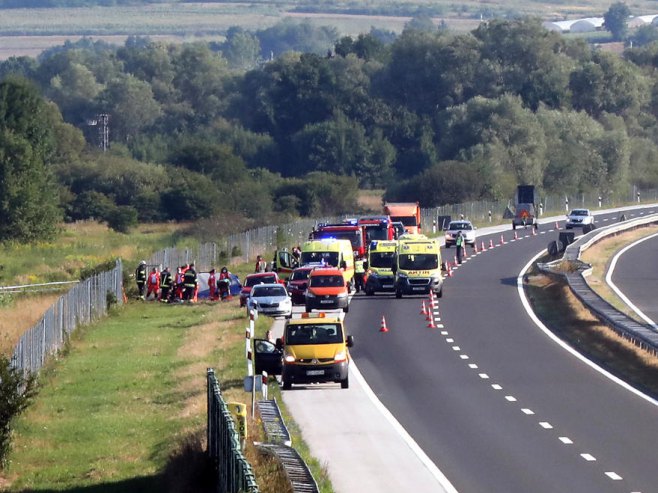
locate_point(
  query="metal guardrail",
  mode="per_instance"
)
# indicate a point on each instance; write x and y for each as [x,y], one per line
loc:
[84,303]
[642,335]
[233,472]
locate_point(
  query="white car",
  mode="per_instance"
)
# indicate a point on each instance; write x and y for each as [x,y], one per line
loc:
[270,299]
[578,218]
[467,229]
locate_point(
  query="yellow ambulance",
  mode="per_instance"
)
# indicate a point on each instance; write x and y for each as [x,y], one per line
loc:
[330,252]
[379,271]
[417,267]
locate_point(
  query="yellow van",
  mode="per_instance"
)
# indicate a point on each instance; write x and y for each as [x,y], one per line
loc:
[315,349]
[418,266]
[330,252]
[379,272]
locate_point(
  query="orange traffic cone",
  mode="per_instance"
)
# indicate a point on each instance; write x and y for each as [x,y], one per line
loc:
[516,236]
[465,252]
[482,248]
[491,245]
[430,323]
[502,240]
[557,225]
[449,270]
[383,327]
[534,231]
[475,248]
[423,311]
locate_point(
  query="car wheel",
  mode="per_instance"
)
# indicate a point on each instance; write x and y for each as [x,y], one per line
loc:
[513,226]
[440,293]
[286,384]
[448,245]
[307,308]
[568,227]
[346,309]
[398,293]
[369,292]
[345,384]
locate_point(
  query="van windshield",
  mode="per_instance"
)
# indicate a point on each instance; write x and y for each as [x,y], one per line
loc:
[252,281]
[326,281]
[382,259]
[330,258]
[355,237]
[418,261]
[376,232]
[297,334]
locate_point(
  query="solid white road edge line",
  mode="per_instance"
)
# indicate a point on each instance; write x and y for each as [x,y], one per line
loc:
[618,292]
[564,345]
[427,462]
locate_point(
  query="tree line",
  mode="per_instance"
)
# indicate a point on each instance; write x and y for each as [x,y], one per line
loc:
[204,128]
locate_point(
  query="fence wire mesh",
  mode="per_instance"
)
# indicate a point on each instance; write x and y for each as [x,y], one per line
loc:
[233,472]
[83,304]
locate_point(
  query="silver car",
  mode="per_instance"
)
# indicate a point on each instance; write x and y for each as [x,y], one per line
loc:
[270,299]
[578,218]
[467,229]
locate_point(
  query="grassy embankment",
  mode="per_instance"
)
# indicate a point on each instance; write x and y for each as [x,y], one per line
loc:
[125,409]
[565,315]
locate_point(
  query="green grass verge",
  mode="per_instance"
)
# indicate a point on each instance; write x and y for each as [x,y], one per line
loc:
[110,413]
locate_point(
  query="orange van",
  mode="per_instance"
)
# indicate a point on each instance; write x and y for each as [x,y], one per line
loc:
[327,289]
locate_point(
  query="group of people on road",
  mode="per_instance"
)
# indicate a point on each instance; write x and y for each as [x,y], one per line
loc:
[183,285]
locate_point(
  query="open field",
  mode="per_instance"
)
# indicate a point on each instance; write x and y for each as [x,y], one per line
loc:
[30,31]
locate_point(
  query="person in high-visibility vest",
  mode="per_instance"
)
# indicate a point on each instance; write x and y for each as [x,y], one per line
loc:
[140,278]
[459,243]
[359,273]
[153,284]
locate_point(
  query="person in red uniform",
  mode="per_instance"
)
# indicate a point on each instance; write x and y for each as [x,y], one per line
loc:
[153,284]
[212,285]
[178,292]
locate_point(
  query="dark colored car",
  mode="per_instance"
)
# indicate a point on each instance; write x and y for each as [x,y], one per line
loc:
[297,284]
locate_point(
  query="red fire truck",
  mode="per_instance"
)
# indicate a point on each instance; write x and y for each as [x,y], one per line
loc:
[377,228]
[345,231]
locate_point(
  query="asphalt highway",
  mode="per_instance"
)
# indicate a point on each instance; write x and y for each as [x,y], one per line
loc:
[636,275]
[493,402]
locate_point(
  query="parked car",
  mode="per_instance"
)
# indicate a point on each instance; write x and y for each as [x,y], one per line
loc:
[252,280]
[270,299]
[578,218]
[467,229]
[297,284]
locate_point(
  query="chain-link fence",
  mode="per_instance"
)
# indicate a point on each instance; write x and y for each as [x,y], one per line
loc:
[244,247]
[83,304]
[233,472]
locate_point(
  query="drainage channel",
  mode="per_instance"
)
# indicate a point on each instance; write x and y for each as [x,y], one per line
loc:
[279,445]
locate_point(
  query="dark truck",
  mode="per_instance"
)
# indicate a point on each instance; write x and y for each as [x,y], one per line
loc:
[525,207]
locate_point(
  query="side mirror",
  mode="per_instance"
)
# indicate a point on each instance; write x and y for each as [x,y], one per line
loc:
[279,344]
[343,265]
[350,341]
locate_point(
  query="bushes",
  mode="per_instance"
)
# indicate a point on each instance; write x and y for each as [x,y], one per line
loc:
[16,390]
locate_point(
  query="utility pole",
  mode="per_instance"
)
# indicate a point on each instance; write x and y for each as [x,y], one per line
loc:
[102,121]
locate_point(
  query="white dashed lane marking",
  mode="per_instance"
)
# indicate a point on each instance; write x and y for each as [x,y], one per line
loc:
[546,425]
[527,411]
[496,386]
[510,398]
[566,440]
[588,457]
[463,356]
[614,476]
[473,366]
[484,376]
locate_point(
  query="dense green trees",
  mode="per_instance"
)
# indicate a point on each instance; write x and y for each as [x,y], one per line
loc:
[29,203]
[198,130]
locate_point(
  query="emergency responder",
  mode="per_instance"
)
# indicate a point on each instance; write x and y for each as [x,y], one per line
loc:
[140,278]
[212,285]
[359,274]
[166,280]
[261,264]
[224,284]
[459,243]
[153,284]
[177,294]
[190,282]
